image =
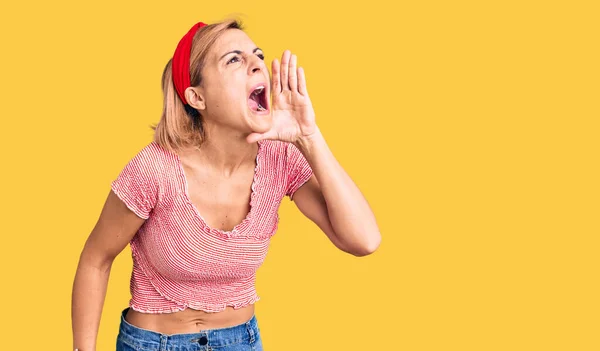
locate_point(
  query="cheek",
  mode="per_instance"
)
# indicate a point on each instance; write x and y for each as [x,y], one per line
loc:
[227,94]
[235,93]
[223,97]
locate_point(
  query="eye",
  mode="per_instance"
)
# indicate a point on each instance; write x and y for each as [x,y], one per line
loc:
[233,59]
[261,56]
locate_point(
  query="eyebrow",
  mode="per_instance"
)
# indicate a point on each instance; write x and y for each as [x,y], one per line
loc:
[238,52]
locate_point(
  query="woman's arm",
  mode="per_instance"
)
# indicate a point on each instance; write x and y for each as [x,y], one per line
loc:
[114,230]
[330,198]
[333,202]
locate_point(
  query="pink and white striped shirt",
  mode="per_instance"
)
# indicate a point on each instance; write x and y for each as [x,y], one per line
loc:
[178,260]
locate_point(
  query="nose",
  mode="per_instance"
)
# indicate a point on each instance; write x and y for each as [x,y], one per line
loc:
[256,64]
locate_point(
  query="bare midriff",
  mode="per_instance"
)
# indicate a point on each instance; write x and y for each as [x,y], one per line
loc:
[189,320]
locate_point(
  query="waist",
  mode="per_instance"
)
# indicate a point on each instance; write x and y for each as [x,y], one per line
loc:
[189,320]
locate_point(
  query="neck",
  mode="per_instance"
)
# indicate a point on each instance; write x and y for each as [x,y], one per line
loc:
[225,151]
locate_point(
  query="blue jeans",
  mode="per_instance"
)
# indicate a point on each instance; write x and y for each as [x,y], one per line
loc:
[241,337]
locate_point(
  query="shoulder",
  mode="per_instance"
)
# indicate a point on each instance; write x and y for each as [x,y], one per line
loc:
[273,152]
[151,161]
[273,146]
[278,149]
[154,153]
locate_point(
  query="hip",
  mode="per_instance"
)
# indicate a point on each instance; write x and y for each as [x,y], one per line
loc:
[240,337]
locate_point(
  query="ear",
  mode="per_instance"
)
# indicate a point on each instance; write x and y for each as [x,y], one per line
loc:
[195,97]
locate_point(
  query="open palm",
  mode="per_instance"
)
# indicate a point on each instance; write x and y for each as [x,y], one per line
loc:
[293,114]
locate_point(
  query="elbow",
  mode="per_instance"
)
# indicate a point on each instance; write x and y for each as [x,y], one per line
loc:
[91,258]
[370,247]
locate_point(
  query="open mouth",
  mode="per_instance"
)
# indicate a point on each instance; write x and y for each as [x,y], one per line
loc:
[257,101]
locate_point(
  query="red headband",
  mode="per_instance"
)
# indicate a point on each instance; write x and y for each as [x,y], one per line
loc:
[181,62]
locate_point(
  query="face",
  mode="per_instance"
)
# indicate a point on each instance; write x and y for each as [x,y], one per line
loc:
[235,87]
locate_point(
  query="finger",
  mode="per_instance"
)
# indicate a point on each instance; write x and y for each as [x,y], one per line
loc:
[276,82]
[285,62]
[293,72]
[302,82]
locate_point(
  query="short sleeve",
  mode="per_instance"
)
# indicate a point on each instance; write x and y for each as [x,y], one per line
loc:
[297,168]
[136,185]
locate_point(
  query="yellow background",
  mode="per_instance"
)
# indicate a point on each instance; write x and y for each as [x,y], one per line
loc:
[470,126]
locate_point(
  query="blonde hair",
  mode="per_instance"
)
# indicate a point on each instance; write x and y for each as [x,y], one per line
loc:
[181,125]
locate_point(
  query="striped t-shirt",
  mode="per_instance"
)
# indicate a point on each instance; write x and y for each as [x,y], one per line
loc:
[178,260]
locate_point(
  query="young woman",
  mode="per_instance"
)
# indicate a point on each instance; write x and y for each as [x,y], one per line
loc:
[198,204]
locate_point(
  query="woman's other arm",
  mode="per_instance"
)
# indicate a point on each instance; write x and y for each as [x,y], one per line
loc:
[115,228]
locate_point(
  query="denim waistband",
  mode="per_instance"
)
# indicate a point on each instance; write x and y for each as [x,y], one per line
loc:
[219,337]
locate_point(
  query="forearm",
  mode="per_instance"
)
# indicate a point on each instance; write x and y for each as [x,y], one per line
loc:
[349,212]
[89,292]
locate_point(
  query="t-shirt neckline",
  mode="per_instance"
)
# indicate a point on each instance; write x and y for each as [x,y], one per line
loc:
[242,226]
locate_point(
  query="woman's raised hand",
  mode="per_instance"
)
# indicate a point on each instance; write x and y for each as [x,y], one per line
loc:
[293,114]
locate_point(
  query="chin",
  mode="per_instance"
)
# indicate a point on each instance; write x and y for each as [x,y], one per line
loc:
[259,123]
